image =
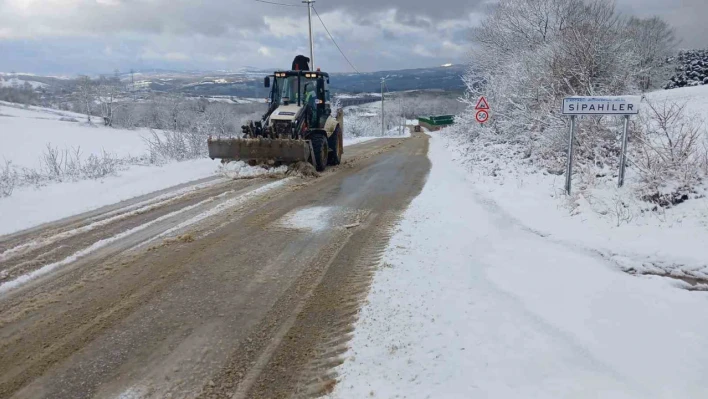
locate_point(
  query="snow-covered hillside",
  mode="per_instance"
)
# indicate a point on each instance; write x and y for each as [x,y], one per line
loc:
[15,82]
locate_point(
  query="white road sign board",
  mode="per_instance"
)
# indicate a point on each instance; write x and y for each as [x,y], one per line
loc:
[621,105]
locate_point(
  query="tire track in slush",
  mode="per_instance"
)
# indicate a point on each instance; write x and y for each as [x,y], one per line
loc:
[45,269]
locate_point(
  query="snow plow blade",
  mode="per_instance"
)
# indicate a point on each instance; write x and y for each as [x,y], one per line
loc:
[261,150]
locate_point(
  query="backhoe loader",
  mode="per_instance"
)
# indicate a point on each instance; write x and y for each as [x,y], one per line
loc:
[299,125]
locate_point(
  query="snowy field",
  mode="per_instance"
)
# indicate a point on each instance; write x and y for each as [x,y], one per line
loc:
[474,300]
[25,134]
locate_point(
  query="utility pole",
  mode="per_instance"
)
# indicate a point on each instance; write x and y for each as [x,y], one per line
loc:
[312,43]
[383,82]
[132,82]
[403,117]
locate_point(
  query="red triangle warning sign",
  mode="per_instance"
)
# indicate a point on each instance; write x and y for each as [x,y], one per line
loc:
[482,104]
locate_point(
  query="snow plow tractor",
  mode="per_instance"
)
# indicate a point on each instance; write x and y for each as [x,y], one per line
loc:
[299,125]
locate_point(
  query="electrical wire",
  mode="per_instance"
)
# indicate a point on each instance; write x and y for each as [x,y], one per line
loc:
[334,41]
[323,25]
[279,4]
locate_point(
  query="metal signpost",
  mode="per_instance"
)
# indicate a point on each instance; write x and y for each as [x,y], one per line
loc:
[569,167]
[620,105]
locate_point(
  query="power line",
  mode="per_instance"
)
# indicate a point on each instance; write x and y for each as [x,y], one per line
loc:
[279,4]
[334,41]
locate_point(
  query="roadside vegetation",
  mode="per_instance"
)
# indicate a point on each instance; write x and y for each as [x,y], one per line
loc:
[530,54]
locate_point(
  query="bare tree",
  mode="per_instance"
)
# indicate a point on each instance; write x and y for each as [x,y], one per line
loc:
[654,41]
[107,92]
[668,145]
[218,116]
[86,95]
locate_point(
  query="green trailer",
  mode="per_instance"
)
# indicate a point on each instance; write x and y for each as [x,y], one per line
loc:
[436,122]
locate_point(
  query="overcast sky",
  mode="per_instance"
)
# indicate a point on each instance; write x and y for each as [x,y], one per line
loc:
[98,36]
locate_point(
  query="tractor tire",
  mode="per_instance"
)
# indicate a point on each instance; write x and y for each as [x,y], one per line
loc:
[319,146]
[335,145]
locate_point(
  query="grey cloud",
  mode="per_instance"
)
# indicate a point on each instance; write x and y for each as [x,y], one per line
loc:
[229,33]
[440,9]
[688,17]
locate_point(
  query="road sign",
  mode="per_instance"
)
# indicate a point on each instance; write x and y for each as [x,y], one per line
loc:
[620,105]
[482,116]
[482,104]
[615,105]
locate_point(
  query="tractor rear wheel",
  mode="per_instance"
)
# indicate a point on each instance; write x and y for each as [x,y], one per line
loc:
[319,146]
[335,145]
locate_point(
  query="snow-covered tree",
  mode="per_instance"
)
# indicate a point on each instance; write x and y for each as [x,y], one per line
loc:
[530,54]
[654,42]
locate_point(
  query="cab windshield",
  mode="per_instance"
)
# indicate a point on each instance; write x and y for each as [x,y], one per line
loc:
[286,88]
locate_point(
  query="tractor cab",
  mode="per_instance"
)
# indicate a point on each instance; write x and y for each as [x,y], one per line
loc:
[306,91]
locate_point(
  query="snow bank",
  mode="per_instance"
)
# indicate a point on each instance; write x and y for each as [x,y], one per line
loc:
[241,170]
[357,140]
[470,302]
[28,207]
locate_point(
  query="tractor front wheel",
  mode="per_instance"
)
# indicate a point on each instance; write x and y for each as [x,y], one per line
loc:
[319,146]
[335,144]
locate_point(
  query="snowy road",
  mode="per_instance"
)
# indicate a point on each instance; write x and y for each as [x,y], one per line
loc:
[205,290]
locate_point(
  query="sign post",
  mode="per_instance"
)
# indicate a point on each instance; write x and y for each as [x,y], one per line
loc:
[569,166]
[623,155]
[621,105]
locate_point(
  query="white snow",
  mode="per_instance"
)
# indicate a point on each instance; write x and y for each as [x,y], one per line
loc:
[471,301]
[696,98]
[242,170]
[19,83]
[314,219]
[25,134]
[28,206]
